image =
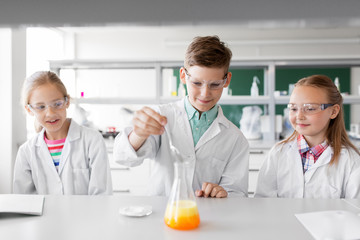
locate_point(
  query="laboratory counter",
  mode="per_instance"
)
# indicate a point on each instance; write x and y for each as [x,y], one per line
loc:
[97,217]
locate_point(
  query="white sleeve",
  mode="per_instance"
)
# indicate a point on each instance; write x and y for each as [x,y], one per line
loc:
[352,189]
[100,182]
[267,179]
[125,154]
[22,181]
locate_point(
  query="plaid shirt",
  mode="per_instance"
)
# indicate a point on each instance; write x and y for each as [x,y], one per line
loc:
[309,155]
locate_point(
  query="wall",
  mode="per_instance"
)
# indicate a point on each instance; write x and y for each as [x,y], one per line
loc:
[12,125]
[355,87]
[164,12]
[5,119]
[169,43]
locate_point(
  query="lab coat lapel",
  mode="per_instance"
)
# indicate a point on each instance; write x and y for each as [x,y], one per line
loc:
[73,134]
[44,153]
[183,129]
[324,159]
[293,155]
[213,130]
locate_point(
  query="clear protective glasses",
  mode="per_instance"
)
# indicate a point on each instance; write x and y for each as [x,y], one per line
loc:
[212,85]
[55,105]
[308,108]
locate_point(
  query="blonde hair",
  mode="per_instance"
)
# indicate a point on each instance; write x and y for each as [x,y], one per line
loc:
[36,80]
[336,135]
[208,51]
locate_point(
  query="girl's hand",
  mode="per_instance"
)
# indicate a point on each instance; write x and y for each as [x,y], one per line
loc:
[211,190]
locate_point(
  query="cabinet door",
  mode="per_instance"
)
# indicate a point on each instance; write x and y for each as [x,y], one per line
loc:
[257,156]
[130,180]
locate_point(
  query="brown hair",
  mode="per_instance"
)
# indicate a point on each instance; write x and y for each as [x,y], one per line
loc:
[208,52]
[38,79]
[336,134]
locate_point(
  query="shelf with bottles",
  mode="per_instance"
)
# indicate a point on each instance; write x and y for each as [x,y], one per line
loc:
[231,100]
[155,82]
[348,99]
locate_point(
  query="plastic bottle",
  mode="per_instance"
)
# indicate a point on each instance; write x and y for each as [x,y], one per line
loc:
[181,90]
[181,211]
[172,85]
[337,83]
[254,88]
[225,92]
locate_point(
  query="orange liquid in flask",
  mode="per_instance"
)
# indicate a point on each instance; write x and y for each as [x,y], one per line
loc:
[182,215]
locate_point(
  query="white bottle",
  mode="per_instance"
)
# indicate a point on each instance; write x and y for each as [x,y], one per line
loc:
[337,83]
[172,85]
[225,92]
[254,88]
[181,90]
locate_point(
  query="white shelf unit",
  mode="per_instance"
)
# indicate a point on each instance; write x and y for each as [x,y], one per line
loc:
[268,100]
[258,150]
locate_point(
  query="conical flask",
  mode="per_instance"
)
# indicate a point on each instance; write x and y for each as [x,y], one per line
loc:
[181,211]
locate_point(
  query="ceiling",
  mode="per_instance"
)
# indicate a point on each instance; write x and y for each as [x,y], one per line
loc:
[246,13]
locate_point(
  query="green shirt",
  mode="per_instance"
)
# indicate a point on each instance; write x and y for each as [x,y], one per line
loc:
[199,126]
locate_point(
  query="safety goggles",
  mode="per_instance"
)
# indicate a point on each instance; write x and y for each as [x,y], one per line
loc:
[212,85]
[308,108]
[55,105]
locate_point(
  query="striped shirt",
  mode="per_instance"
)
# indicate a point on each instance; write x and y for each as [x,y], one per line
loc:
[309,155]
[55,148]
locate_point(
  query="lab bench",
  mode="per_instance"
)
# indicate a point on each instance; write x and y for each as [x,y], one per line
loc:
[97,217]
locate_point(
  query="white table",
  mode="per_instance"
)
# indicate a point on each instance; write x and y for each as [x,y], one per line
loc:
[97,217]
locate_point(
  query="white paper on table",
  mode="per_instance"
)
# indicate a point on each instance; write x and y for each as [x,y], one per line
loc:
[20,203]
[331,224]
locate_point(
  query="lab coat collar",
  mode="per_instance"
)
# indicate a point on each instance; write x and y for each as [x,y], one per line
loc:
[191,111]
[44,153]
[214,129]
[184,126]
[73,134]
[324,159]
[294,155]
[74,131]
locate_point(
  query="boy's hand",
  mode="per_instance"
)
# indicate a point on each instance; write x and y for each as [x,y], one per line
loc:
[211,190]
[146,122]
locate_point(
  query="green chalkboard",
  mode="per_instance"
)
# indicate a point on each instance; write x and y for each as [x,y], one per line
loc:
[240,85]
[285,76]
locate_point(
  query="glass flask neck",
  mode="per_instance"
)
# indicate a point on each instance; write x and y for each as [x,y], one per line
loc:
[182,185]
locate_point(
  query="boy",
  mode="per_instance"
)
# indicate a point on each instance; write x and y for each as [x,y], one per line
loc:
[216,148]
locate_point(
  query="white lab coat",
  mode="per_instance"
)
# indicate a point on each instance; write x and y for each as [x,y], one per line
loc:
[221,155]
[281,175]
[83,170]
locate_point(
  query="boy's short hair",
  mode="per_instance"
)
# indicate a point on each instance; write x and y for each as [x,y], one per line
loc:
[208,51]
